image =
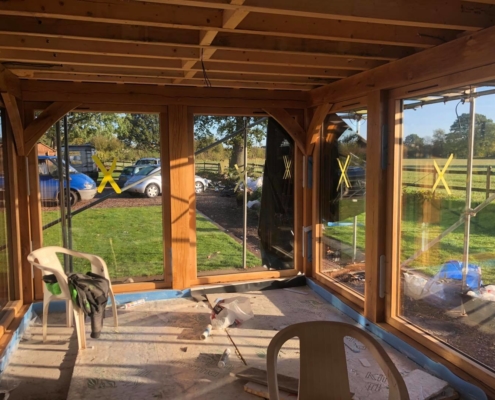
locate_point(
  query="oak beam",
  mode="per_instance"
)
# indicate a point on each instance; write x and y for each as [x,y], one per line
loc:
[36,129]
[100,93]
[455,14]
[290,125]
[9,83]
[314,129]
[462,54]
[10,103]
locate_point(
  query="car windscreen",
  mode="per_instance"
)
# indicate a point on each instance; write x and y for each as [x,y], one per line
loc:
[146,171]
[128,171]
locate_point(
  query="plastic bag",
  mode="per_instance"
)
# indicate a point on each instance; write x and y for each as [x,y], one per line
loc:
[233,311]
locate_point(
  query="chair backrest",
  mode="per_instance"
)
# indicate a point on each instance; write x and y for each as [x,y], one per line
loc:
[323,366]
[49,263]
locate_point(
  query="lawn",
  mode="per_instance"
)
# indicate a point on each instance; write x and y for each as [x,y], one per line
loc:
[130,240]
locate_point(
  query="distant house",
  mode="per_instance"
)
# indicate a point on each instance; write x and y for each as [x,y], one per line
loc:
[44,150]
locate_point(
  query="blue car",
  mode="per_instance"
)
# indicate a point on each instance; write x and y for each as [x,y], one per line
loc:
[82,187]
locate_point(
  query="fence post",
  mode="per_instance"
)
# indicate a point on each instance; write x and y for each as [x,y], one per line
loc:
[488,180]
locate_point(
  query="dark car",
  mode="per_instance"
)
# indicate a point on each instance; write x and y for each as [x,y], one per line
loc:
[128,172]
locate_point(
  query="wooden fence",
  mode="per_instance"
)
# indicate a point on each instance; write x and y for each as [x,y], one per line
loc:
[203,166]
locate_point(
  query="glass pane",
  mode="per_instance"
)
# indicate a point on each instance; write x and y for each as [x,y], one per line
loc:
[124,229]
[220,202]
[447,234]
[343,198]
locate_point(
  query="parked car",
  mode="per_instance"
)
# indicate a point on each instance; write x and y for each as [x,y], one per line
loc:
[152,185]
[82,187]
[80,157]
[148,161]
[127,173]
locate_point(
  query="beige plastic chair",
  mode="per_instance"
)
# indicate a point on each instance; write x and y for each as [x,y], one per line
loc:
[323,366]
[46,259]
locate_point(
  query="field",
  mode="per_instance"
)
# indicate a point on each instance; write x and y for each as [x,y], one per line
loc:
[130,240]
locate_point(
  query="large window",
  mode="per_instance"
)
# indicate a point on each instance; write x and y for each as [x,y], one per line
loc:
[343,199]
[244,195]
[447,235]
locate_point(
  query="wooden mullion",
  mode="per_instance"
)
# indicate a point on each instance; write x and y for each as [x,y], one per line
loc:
[375,213]
[166,196]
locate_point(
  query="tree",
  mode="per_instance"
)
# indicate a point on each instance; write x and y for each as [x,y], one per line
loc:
[83,126]
[415,146]
[218,127]
[140,131]
[456,141]
[439,149]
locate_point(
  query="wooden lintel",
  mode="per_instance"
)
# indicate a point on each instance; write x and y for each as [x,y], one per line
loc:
[99,93]
[36,129]
[14,115]
[467,52]
[315,126]
[290,125]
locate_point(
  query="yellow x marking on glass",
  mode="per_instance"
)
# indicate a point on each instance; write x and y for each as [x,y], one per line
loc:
[241,177]
[441,174]
[107,175]
[287,162]
[343,169]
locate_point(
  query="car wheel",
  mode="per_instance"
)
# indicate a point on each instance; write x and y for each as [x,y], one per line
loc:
[199,187]
[152,190]
[74,198]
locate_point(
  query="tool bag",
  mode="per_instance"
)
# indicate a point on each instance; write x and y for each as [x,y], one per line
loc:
[90,294]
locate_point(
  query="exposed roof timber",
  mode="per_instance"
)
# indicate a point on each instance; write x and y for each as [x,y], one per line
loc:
[233,82]
[230,19]
[47,36]
[455,14]
[99,93]
[22,69]
[213,20]
[190,38]
[468,52]
[9,83]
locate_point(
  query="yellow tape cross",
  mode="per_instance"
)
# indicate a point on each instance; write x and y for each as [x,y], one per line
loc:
[441,174]
[241,178]
[107,175]
[287,162]
[343,170]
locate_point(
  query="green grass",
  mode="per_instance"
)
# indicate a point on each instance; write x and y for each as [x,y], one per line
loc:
[130,241]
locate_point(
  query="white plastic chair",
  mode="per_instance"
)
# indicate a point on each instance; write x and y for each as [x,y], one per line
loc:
[47,260]
[323,365]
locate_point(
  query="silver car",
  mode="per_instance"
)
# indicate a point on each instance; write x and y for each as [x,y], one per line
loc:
[151,186]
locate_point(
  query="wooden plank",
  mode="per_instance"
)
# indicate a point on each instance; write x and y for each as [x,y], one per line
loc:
[167,16]
[37,128]
[421,14]
[290,125]
[256,375]
[468,52]
[10,103]
[298,209]
[132,94]
[189,175]
[262,391]
[181,193]
[226,41]
[139,287]
[241,277]
[314,130]
[166,199]
[374,309]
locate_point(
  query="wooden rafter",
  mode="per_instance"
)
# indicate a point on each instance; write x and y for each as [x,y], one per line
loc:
[454,14]
[230,19]
[37,128]
[315,126]
[15,119]
[290,125]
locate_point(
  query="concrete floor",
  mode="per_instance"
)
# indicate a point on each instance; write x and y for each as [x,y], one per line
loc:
[156,353]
